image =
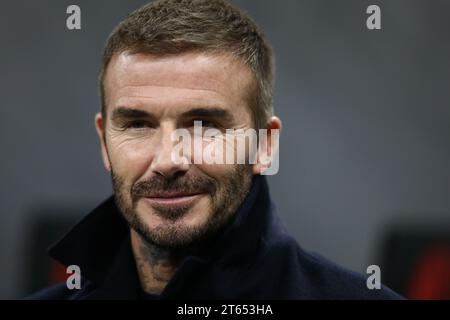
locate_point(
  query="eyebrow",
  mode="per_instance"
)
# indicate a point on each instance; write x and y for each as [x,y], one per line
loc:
[214,112]
[123,113]
[129,113]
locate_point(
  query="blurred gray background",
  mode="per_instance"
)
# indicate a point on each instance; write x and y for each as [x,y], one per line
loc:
[366,120]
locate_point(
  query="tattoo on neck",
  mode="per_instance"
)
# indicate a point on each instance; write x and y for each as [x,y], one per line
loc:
[152,254]
[156,266]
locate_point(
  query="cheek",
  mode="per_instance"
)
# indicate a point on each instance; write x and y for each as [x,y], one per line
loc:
[129,159]
[218,172]
[230,149]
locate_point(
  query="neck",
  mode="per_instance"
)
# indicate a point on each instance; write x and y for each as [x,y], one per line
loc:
[155,266]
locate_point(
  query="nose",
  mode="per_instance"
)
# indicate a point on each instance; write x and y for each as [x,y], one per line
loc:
[163,163]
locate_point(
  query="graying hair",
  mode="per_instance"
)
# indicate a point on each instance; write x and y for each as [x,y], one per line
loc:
[178,26]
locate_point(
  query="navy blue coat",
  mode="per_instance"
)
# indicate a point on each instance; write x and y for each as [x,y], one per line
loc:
[253,258]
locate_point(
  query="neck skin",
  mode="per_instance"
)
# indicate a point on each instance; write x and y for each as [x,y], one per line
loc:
[156,266]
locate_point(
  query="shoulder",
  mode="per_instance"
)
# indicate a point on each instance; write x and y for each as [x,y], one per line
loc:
[55,292]
[309,275]
[61,292]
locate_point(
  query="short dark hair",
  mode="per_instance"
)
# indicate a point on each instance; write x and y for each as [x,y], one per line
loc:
[178,26]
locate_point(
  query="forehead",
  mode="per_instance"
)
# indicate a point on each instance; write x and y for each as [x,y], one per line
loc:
[180,80]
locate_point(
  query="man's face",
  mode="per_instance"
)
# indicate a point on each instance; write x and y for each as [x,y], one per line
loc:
[147,98]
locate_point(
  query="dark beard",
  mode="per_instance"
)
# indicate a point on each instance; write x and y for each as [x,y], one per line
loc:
[225,199]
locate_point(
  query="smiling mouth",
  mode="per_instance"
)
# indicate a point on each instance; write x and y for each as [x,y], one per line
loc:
[173,199]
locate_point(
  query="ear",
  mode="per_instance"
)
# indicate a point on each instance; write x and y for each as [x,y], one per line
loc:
[100,128]
[268,147]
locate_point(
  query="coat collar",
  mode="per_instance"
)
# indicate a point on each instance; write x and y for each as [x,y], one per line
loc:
[100,244]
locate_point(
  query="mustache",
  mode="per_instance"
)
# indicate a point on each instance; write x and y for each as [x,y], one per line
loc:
[182,184]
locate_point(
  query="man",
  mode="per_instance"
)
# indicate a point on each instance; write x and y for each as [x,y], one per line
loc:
[190,229]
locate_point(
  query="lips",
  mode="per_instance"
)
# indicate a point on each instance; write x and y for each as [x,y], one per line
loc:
[165,195]
[172,199]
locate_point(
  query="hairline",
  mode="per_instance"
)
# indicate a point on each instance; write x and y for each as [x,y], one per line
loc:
[252,90]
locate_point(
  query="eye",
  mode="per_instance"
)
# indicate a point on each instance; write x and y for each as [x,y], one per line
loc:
[206,123]
[137,124]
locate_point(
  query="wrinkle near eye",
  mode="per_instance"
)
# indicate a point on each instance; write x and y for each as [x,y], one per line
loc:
[119,137]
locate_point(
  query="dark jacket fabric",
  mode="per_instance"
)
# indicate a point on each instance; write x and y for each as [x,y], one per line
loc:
[252,258]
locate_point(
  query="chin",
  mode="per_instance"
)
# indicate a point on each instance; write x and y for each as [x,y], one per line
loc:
[174,235]
[194,216]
